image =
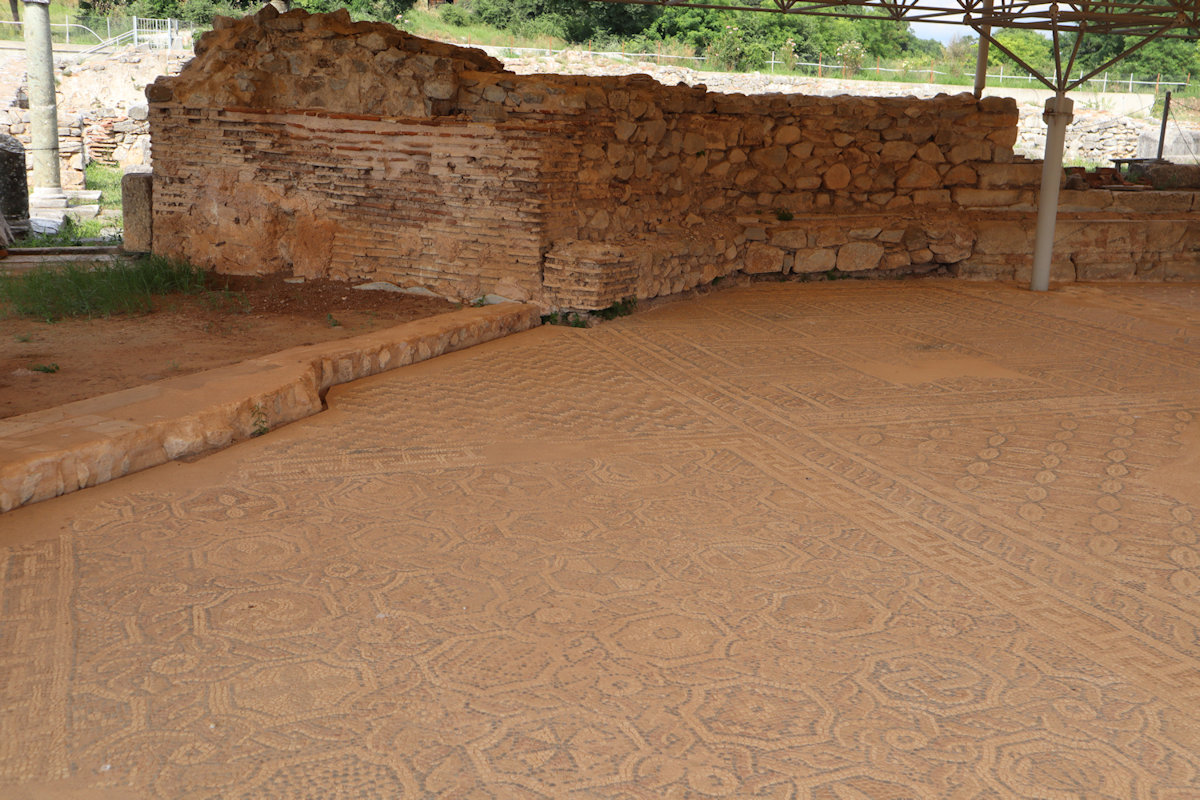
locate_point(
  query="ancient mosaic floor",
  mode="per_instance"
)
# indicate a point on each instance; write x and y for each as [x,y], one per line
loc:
[844,542]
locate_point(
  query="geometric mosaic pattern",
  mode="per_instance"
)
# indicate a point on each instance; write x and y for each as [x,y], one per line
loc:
[827,541]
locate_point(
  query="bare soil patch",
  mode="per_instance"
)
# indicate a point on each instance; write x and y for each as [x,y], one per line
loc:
[246,317]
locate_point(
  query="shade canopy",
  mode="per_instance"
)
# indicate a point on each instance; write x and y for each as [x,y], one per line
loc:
[1066,23]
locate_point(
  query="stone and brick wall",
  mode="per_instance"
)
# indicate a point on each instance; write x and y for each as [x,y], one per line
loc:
[314,145]
[15,122]
[118,140]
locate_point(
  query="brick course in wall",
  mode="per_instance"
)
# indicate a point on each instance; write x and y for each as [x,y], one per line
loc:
[314,145]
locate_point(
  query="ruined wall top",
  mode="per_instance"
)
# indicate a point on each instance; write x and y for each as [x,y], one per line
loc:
[297,61]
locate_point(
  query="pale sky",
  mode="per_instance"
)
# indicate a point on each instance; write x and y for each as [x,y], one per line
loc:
[943,33]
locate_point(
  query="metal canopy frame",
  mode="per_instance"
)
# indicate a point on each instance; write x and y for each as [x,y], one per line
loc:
[1142,21]
[1066,23]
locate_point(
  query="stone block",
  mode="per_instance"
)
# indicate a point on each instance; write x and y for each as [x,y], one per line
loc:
[970,151]
[1152,202]
[864,234]
[831,236]
[790,238]
[859,256]
[931,197]
[801,149]
[919,175]
[762,258]
[814,260]
[998,105]
[837,177]
[694,143]
[771,158]
[137,209]
[1084,200]
[624,129]
[931,153]
[1175,176]
[968,197]
[1003,139]
[992,176]
[787,135]
[898,151]
[960,175]
[1003,237]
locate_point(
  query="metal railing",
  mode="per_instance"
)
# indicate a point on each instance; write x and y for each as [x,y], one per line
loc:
[1100,83]
[153,34]
[501,49]
[834,70]
[64,26]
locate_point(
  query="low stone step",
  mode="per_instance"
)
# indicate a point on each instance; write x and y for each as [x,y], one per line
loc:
[83,212]
[26,263]
[81,197]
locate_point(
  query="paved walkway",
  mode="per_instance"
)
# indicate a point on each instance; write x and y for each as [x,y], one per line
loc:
[830,541]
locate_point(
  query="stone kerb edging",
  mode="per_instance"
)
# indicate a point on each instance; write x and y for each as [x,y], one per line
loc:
[53,452]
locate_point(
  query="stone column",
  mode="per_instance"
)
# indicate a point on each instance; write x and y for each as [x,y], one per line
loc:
[43,108]
[981,55]
[1058,115]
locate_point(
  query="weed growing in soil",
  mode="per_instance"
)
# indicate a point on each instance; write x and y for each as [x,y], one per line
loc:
[24,337]
[227,299]
[258,420]
[621,308]
[73,290]
[49,369]
[572,319]
[333,323]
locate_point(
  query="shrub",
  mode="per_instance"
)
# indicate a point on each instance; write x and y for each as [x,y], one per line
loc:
[455,15]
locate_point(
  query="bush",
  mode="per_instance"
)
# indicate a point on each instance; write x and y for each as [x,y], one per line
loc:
[725,50]
[851,54]
[455,15]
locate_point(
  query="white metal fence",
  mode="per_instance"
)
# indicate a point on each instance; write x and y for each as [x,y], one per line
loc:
[141,32]
[83,34]
[1102,83]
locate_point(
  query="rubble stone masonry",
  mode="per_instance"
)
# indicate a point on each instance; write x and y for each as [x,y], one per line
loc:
[318,146]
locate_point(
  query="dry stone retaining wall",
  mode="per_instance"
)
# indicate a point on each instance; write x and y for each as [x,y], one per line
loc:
[319,146]
[116,140]
[15,122]
[1092,138]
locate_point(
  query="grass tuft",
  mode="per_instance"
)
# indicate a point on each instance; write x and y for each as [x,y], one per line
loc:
[108,180]
[72,234]
[72,290]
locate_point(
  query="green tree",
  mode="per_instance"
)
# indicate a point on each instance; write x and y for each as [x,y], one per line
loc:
[1029,46]
[1176,58]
